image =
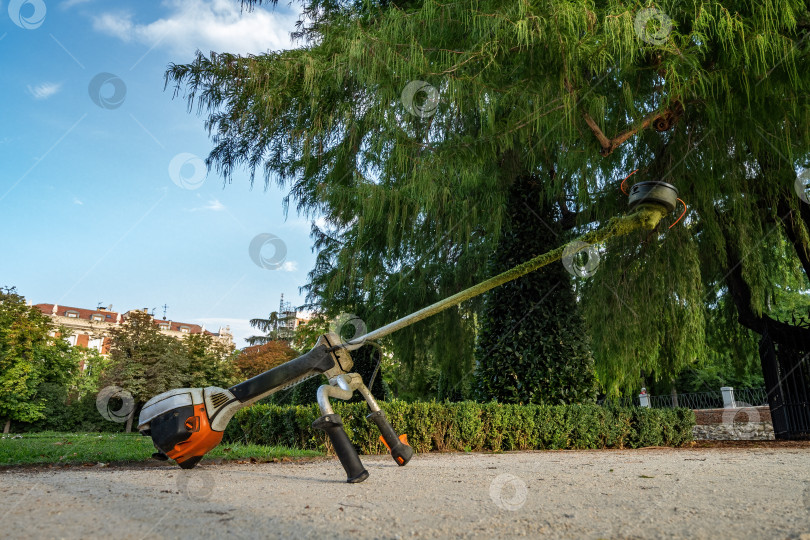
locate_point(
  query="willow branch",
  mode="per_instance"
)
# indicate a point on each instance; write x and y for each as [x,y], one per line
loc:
[609,145]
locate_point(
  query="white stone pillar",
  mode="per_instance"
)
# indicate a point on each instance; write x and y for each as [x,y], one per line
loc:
[644,398]
[728,397]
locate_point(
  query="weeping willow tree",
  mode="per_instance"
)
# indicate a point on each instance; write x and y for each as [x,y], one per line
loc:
[710,96]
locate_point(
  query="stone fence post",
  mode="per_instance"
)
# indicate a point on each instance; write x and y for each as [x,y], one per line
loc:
[728,397]
[644,398]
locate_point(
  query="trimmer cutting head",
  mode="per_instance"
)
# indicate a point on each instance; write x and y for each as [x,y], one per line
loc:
[655,192]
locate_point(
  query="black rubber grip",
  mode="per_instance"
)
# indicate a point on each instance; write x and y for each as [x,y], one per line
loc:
[346,453]
[400,451]
[317,360]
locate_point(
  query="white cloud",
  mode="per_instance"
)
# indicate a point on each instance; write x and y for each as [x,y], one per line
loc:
[289,266]
[208,25]
[44,90]
[321,223]
[76,200]
[119,25]
[214,205]
[304,224]
[67,4]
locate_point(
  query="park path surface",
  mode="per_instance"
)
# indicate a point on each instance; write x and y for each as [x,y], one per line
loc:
[648,493]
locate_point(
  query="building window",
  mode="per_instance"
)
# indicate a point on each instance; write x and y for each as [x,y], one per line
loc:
[165,327]
[185,329]
[98,318]
[95,344]
[72,314]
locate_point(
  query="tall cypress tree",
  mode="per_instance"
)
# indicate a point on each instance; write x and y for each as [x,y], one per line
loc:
[533,346]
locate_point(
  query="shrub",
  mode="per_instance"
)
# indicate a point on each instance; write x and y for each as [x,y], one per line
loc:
[77,416]
[470,426]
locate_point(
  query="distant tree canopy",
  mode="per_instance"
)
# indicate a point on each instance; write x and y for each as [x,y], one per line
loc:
[47,384]
[272,327]
[259,358]
[414,187]
[30,359]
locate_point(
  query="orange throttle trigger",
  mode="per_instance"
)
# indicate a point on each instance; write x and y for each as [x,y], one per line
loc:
[403,439]
[397,445]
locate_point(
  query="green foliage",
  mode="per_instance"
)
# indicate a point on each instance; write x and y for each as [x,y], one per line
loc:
[87,381]
[470,426]
[43,388]
[65,413]
[414,204]
[146,363]
[366,361]
[142,360]
[732,359]
[306,335]
[31,361]
[55,414]
[210,362]
[270,326]
[533,346]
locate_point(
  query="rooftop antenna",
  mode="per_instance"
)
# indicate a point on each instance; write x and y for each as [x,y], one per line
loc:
[99,306]
[284,307]
[165,307]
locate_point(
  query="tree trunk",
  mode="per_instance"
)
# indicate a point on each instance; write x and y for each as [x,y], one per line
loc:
[129,420]
[7,427]
[740,294]
[794,222]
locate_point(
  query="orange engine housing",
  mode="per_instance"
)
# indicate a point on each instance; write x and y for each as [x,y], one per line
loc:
[189,452]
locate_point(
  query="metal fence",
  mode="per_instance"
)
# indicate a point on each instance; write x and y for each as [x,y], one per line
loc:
[619,402]
[755,397]
[698,400]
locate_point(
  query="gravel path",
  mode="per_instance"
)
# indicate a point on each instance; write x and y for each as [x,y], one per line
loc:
[649,493]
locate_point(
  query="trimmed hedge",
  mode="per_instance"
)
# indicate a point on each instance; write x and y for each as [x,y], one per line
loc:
[470,426]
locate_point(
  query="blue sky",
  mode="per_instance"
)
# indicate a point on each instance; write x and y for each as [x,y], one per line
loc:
[89,211]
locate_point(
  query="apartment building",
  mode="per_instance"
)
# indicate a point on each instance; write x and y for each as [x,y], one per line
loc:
[91,327]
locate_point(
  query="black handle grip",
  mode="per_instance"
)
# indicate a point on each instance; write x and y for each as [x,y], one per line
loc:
[400,450]
[317,360]
[333,426]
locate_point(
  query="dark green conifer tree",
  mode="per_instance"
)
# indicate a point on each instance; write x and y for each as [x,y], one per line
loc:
[533,345]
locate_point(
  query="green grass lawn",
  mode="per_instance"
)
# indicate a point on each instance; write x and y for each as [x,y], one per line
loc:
[53,447]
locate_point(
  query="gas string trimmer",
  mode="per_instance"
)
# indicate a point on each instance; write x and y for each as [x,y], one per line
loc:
[186,423]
